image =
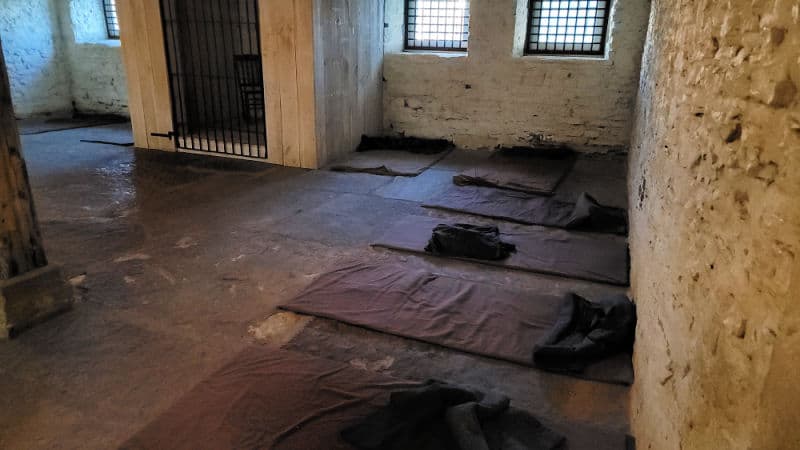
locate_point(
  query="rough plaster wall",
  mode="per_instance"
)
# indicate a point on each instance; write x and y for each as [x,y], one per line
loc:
[494,96]
[34,52]
[60,58]
[98,76]
[715,227]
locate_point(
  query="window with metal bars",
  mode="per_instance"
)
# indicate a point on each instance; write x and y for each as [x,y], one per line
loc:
[567,27]
[112,24]
[441,25]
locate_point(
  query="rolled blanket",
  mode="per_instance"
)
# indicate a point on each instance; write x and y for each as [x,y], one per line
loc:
[469,241]
[442,416]
[585,332]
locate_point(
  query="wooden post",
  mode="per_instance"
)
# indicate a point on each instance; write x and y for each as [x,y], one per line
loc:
[31,291]
[20,240]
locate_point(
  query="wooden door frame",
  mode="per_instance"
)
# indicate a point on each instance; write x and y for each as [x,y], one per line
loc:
[287,46]
[145,60]
[287,49]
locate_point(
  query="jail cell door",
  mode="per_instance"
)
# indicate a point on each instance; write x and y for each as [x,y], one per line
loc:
[213,50]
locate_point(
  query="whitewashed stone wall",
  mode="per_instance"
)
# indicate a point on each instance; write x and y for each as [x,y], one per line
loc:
[715,227]
[495,96]
[36,58]
[60,59]
[98,76]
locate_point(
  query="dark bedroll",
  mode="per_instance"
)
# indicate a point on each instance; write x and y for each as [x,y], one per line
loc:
[584,256]
[586,214]
[477,318]
[522,169]
[317,398]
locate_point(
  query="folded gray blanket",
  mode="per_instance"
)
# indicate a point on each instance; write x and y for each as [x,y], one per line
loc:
[442,416]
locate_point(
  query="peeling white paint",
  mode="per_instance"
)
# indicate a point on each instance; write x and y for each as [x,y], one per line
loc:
[279,328]
[34,52]
[60,59]
[133,257]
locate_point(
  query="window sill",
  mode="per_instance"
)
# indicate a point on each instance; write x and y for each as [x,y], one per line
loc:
[587,59]
[110,43]
[435,53]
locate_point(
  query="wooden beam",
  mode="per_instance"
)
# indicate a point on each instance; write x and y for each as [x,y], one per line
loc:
[145,60]
[125,13]
[272,84]
[288,49]
[21,248]
[159,75]
[306,97]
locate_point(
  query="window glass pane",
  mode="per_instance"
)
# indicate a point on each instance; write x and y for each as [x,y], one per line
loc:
[568,26]
[437,24]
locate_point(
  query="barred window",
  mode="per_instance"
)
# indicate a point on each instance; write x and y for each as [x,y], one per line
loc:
[112,24]
[567,27]
[437,25]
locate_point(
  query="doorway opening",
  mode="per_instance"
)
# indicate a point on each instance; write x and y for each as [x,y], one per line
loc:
[216,79]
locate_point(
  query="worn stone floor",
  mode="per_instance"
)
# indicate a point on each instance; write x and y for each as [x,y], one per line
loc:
[180,261]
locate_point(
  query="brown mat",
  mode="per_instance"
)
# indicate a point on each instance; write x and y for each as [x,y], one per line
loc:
[388,162]
[473,317]
[275,399]
[271,399]
[535,171]
[592,257]
[511,206]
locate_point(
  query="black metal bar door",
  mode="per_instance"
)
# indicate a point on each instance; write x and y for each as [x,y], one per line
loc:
[216,83]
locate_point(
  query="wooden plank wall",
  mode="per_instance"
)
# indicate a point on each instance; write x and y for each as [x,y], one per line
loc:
[143,53]
[21,247]
[348,42]
[288,50]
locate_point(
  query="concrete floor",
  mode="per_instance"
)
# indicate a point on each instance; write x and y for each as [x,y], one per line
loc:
[180,261]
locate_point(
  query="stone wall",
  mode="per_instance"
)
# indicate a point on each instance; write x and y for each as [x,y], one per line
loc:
[98,77]
[36,57]
[495,96]
[60,58]
[715,227]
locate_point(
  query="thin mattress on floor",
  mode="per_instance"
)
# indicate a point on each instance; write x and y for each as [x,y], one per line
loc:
[388,162]
[592,257]
[536,171]
[518,207]
[473,317]
[267,398]
[281,400]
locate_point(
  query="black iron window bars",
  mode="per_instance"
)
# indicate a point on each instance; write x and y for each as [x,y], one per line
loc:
[112,24]
[440,25]
[567,27]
